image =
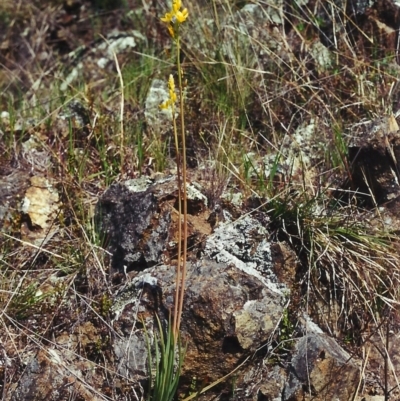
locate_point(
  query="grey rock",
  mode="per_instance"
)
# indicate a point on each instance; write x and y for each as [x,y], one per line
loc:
[138,220]
[99,56]
[57,372]
[12,188]
[76,113]
[321,368]
[125,219]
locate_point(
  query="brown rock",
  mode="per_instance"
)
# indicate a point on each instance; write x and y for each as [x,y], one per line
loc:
[321,370]
[228,313]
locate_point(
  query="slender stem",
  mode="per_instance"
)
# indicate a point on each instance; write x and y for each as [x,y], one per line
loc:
[184,174]
[175,329]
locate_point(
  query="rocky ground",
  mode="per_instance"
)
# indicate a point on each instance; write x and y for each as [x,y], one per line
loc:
[291,113]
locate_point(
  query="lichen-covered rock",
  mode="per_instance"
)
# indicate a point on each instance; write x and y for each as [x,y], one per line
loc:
[233,303]
[321,369]
[13,184]
[139,219]
[125,214]
[227,314]
[76,114]
[233,300]
[126,220]
[374,153]
[159,120]
[263,382]
[41,205]
[244,243]
[94,61]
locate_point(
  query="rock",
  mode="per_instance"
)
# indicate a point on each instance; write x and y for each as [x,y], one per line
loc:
[244,244]
[13,184]
[76,114]
[57,372]
[321,369]
[253,29]
[139,220]
[126,218]
[321,55]
[227,314]
[271,385]
[40,205]
[233,300]
[37,155]
[92,62]
[374,153]
[159,120]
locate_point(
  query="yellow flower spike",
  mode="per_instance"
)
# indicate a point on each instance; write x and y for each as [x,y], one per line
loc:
[172,95]
[175,16]
[171,83]
[171,86]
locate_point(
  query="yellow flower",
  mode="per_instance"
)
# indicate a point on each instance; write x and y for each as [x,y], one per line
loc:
[171,30]
[172,95]
[165,105]
[176,5]
[175,16]
[171,86]
[168,17]
[171,83]
[181,16]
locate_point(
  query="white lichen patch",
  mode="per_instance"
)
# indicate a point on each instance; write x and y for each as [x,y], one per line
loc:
[321,55]
[305,133]
[309,326]
[163,179]
[36,154]
[302,152]
[194,194]
[140,184]
[111,48]
[244,244]
[71,77]
[252,318]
